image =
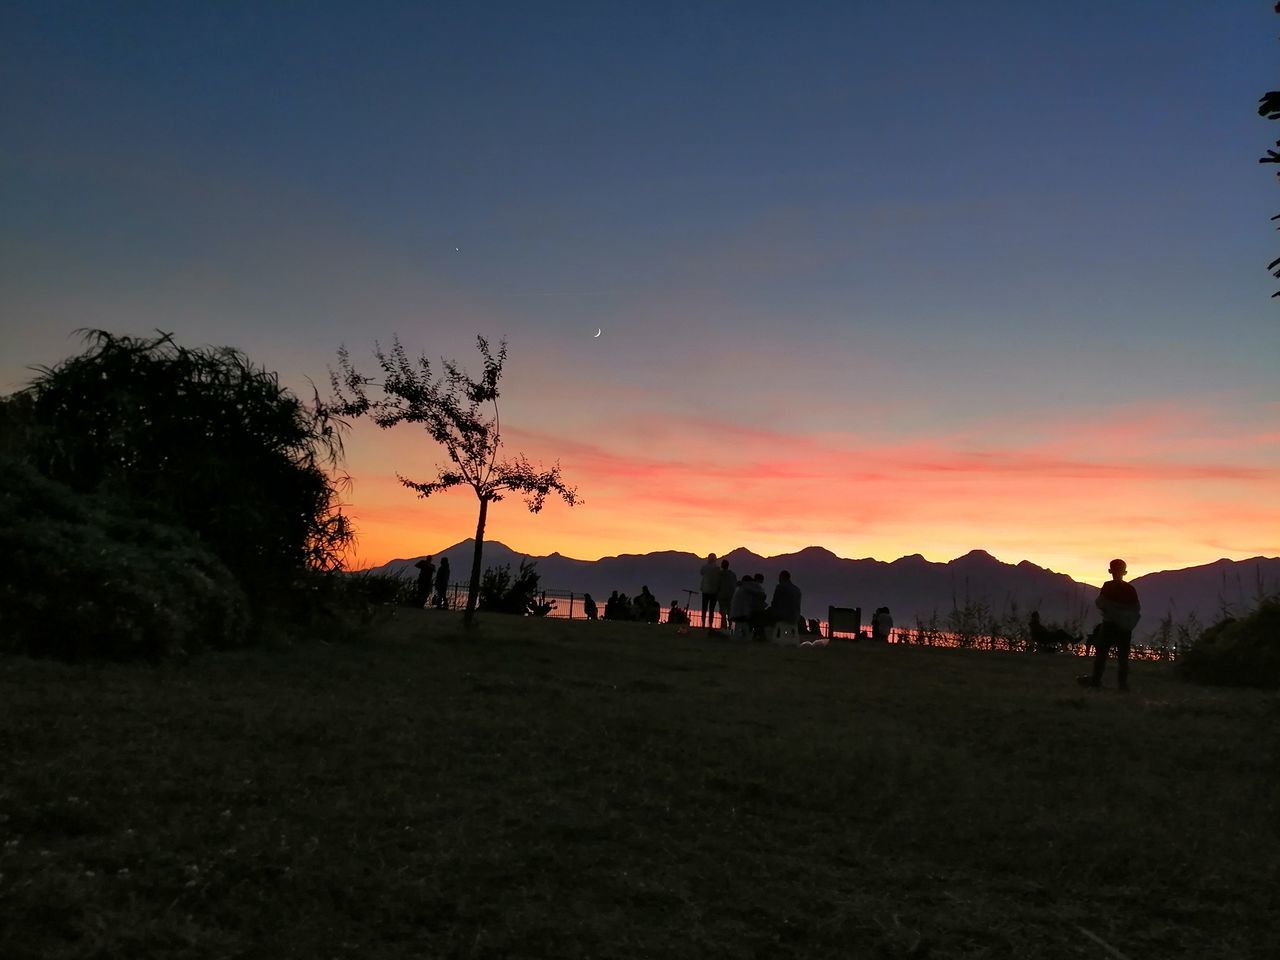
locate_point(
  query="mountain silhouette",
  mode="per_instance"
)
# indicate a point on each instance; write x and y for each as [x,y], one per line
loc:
[912,587]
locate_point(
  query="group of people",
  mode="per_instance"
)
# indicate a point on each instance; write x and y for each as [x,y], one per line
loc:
[643,607]
[743,604]
[432,585]
[745,609]
[729,603]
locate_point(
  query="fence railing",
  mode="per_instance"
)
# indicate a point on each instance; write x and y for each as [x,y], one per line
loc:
[571,605]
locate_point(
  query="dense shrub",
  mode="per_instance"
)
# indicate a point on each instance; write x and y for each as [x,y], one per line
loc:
[89,577]
[381,588]
[1241,652]
[205,438]
[504,592]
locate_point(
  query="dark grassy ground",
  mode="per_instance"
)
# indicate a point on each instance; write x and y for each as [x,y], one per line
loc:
[553,789]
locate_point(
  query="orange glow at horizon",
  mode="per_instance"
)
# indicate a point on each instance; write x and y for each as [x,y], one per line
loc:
[1069,500]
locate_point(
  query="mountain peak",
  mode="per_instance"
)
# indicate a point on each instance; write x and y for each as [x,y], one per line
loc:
[976,556]
[815,553]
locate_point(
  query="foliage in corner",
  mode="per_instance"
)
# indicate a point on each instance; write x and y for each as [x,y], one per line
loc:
[1269,107]
[459,413]
[87,577]
[198,438]
[1242,652]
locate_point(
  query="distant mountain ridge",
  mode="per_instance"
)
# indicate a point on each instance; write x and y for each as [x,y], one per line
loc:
[912,587]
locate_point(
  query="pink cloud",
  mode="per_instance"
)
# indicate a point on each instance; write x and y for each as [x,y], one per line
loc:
[1066,496]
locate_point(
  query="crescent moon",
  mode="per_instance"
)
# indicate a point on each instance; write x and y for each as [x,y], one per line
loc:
[599,331]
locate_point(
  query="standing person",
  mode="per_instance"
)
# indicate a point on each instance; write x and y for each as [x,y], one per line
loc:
[442,583]
[710,587]
[426,577]
[882,624]
[1121,612]
[589,607]
[759,607]
[724,596]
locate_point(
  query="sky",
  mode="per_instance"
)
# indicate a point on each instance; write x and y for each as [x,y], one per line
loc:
[886,278]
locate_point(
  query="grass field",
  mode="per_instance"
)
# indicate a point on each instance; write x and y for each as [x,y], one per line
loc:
[570,789]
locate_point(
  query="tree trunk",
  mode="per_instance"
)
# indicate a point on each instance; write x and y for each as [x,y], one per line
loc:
[473,593]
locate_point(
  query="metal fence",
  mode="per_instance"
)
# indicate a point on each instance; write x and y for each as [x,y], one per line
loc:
[570,605]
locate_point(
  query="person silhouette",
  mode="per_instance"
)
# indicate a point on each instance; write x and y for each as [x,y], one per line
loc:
[785,607]
[709,584]
[589,607]
[740,608]
[648,609]
[881,624]
[724,592]
[759,607]
[442,584]
[1037,632]
[1121,612]
[426,579]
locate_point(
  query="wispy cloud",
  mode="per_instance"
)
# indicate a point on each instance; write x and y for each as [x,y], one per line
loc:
[701,483]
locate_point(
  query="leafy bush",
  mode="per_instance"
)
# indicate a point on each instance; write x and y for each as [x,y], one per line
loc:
[332,606]
[88,577]
[503,592]
[206,439]
[1241,652]
[381,588]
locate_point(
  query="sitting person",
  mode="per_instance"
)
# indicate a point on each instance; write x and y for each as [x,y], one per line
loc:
[759,608]
[785,608]
[881,625]
[647,607]
[1047,639]
[677,616]
[743,606]
[612,610]
[1091,641]
[540,606]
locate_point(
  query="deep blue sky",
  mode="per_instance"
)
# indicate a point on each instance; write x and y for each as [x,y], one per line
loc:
[883,222]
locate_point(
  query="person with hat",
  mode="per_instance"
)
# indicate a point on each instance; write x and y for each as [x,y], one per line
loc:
[1121,612]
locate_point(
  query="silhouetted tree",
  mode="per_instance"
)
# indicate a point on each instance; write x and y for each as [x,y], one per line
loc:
[451,407]
[1269,107]
[201,438]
